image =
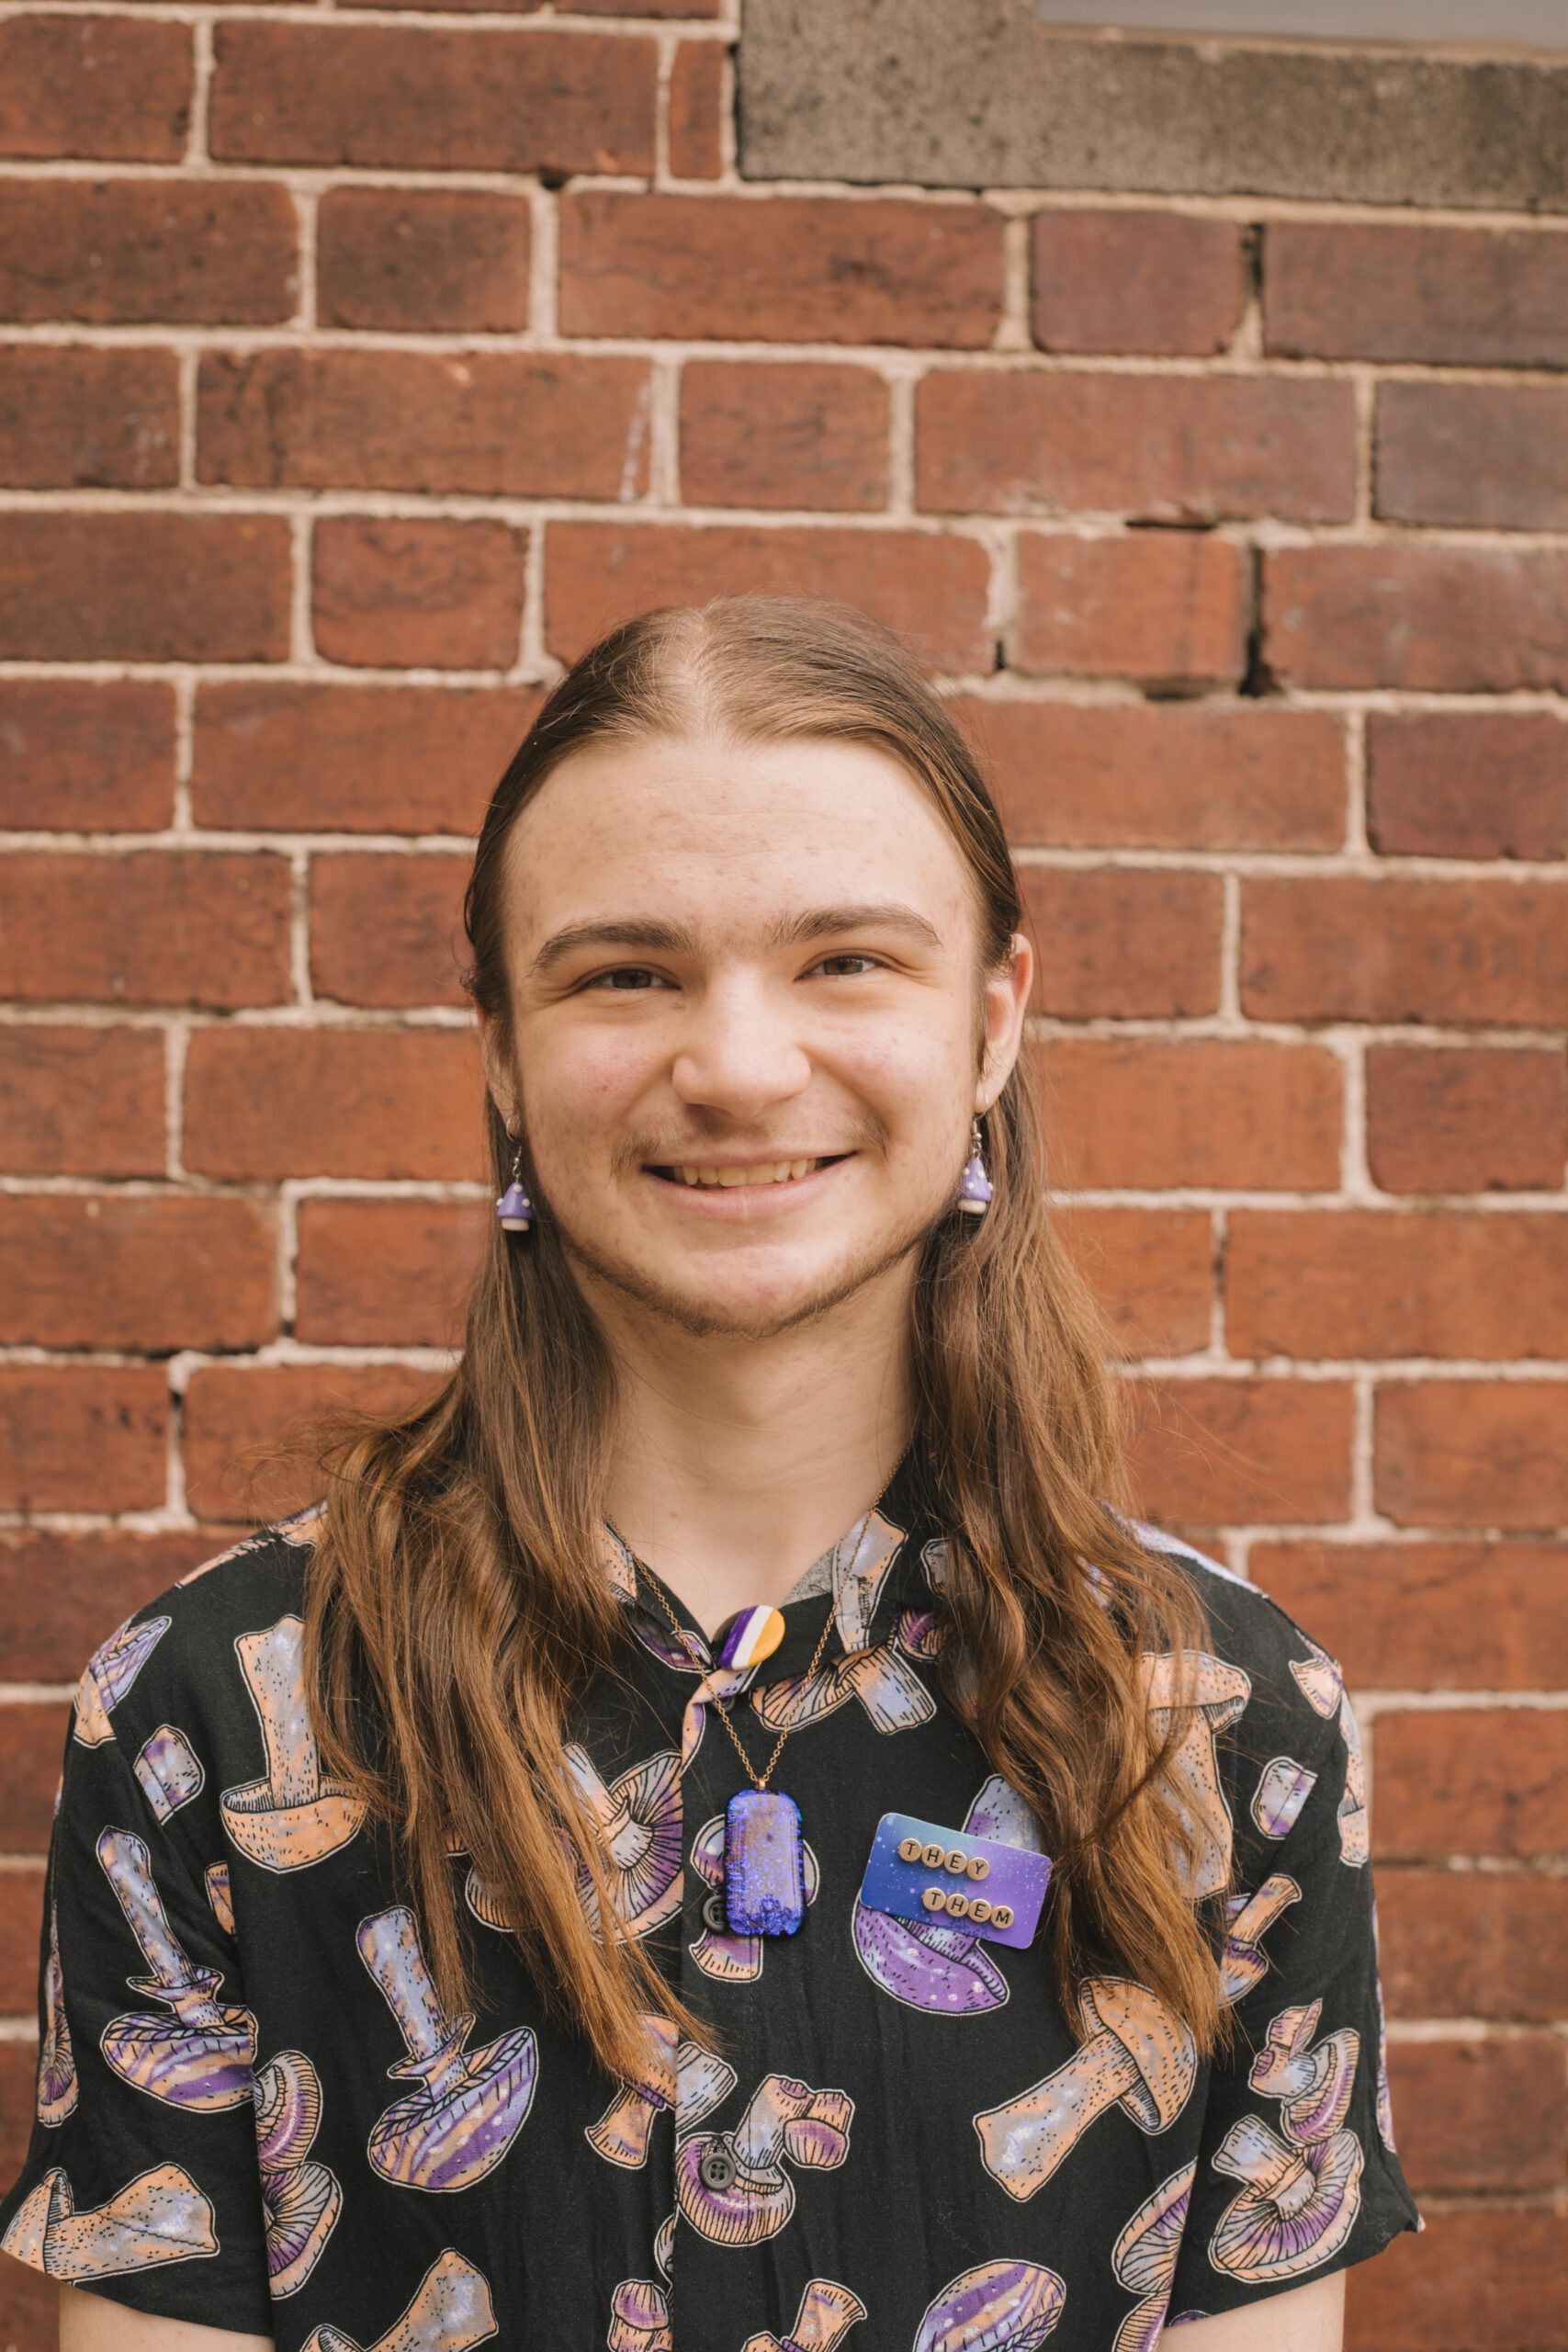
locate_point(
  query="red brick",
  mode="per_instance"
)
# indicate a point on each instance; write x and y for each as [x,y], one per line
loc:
[81,1102]
[1454,620]
[647,8]
[1482,298]
[1478,2281]
[1151,1271]
[386,1274]
[88,419]
[1473,1945]
[153,927]
[1473,1453]
[60,1594]
[1208,1453]
[79,755]
[1406,950]
[247,1449]
[1487,2114]
[437,595]
[803,435]
[1129,945]
[1161,776]
[1474,1780]
[1173,448]
[930,588]
[102,86]
[1467,1119]
[82,1437]
[351,759]
[1487,455]
[494,422]
[1428,1616]
[1150,605]
[388,931]
[124,587]
[1144,1111]
[1341,1283]
[1154,282]
[697,101]
[115,252]
[19,1924]
[113,1271]
[422,98]
[783,269]
[29,2303]
[1478,783]
[32,1735]
[372,1102]
[433,259]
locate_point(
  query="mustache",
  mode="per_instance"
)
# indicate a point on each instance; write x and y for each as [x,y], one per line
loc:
[635,1152]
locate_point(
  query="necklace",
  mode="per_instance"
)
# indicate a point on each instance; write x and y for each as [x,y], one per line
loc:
[764,1860]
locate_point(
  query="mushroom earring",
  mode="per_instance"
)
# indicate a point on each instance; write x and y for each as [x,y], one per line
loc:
[975,1185]
[514,1209]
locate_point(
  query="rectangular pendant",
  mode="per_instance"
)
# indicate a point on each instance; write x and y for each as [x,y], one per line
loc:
[919,1870]
[764,1865]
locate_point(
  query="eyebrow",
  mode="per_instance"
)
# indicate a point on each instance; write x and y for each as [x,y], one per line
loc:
[790,931]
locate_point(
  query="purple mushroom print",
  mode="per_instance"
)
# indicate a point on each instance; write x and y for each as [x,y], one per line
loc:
[56,2059]
[937,1968]
[202,2055]
[169,1770]
[1385,2103]
[1283,1787]
[1248,1919]
[1355,1825]
[300,2201]
[292,1815]
[639,2318]
[108,1674]
[880,1677]
[1207,1695]
[996,2307]
[221,1895]
[1300,2194]
[736,1960]
[639,1825]
[450,2310]
[1143,2259]
[1136,2055]
[784,2120]
[685,2078]
[826,2315]
[160,2216]
[1319,1680]
[1312,2080]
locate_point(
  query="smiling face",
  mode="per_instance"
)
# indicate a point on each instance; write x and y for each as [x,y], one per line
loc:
[749,1028]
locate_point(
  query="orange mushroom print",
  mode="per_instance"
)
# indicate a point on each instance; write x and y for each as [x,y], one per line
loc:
[160,2216]
[1302,2193]
[1248,1919]
[639,1827]
[826,2314]
[169,1770]
[291,1817]
[718,1950]
[220,1894]
[1143,2259]
[1322,1686]
[56,2059]
[451,2309]
[879,1675]
[1136,2055]
[108,1674]
[199,2057]
[639,2318]
[1212,1695]
[685,2077]
[996,2307]
[301,2201]
[732,2187]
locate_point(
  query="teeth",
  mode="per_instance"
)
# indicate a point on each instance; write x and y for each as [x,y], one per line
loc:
[777,1172]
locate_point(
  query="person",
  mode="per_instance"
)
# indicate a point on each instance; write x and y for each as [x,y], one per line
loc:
[718,1833]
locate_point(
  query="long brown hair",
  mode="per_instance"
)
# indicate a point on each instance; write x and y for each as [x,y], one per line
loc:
[459,1579]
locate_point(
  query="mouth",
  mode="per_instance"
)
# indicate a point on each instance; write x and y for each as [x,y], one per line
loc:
[701,1177]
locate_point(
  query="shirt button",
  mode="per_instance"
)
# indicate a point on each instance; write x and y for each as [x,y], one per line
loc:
[715,1917]
[717,2170]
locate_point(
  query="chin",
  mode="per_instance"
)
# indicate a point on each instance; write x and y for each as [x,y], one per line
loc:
[723,1300]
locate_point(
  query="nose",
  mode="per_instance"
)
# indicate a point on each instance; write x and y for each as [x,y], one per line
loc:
[741,1052]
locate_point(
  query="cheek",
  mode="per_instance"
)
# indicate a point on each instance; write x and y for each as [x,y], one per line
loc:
[911,1073]
[575,1086]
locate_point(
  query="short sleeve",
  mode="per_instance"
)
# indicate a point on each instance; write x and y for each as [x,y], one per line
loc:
[141,2181]
[1296,2173]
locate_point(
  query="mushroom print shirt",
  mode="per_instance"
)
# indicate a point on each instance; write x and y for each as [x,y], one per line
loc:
[255,2113]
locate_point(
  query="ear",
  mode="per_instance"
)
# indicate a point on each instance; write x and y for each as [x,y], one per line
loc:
[498,1074]
[1006,1004]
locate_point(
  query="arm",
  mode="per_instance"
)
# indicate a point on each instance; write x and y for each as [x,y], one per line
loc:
[92,2324]
[1309,2319]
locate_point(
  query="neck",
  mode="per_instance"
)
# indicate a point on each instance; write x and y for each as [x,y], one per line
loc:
[738,1462]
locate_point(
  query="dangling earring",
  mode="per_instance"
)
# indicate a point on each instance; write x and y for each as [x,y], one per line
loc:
[514,1209]
[975,1185]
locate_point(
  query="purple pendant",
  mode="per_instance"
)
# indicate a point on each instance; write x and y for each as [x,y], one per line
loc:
[514,1209]
[764,1864]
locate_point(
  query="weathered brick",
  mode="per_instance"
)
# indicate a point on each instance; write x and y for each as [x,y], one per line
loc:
[438,595]
[1169,449]
[126,587]
[1462,1945]
[1161,776]
[1452,619]
[78,420]
[102,87]
[647,8]
[555,426]
[1157,282]
[802,435]
[1148,1112]
[247,1449]
[1427,1616]
[20,1922]
[386,1274]
[373,1102]
[1113,944]
[696,98]
[1480,2114]
[1466,1119]
[1472,1452]
[1406,950]
[438,260]
[422,98]
[1478,298]
[82,1437]
[112,1271]
[61,1594]
[118,252]
[1486,455]
[1479,783]
[388,931]
[1476,1780]
[1371,1283]
[32,1736]
[352,758]
[791,268]
[931,588]
[1151,1271]
[1212,1453]
[1150,605]
[81,754]
[154,927]
[81,1102]
[29,2303]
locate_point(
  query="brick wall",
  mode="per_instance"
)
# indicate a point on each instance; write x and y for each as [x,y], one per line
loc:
[359,366]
